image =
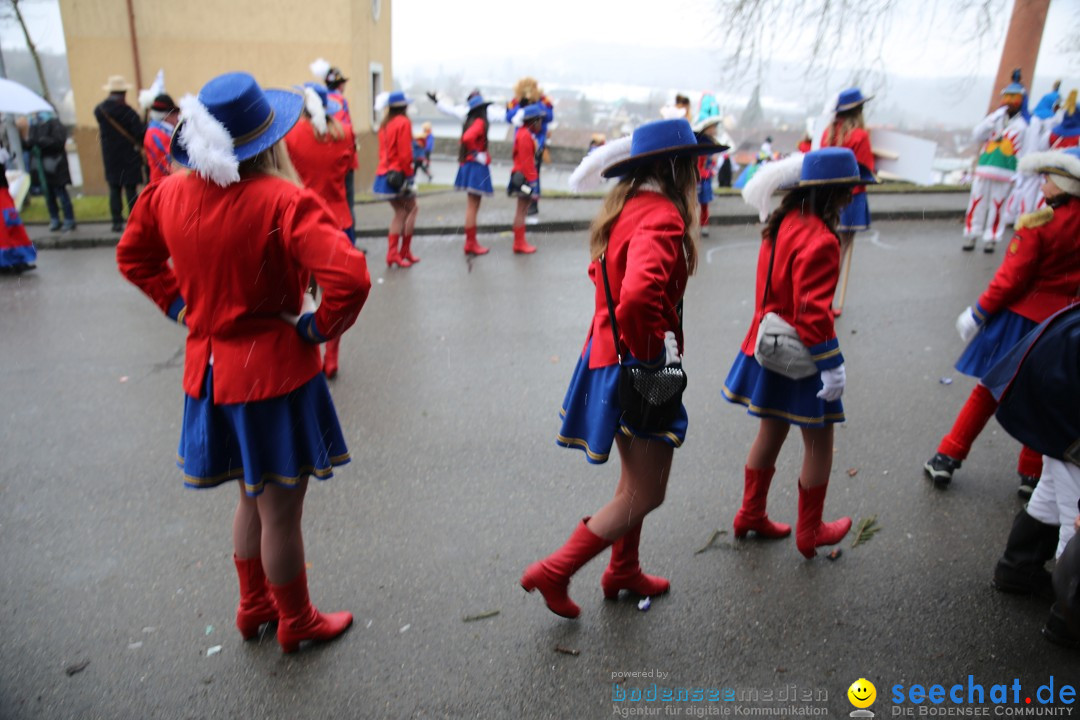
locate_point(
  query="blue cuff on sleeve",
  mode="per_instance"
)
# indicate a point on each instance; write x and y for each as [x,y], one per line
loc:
[979,313]
[178,311]
[308,330]
[827,355]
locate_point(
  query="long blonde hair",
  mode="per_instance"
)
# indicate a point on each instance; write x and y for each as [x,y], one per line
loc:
[841,127]
[677,181]
[334,130]
[274,161]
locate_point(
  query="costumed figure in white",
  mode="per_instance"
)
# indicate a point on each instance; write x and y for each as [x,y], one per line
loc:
[1025,195]
[1002,134]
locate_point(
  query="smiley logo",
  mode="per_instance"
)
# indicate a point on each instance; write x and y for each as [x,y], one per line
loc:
[862,693]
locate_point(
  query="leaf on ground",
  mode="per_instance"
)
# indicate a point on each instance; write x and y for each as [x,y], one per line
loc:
[852,472]
[480,616]
[712,540]
[567,651]
[865,530]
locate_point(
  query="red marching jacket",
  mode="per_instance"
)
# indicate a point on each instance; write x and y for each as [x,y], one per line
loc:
[239,256]
[525,154]
[858,140]
[805,271]
[475,140]
[323,164]
[647,271]
[1041,270]
[395,147]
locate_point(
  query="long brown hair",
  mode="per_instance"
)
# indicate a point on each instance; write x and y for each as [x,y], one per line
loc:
[841,127]
[826,202]
[334,130]
[391,113]
[274,161]
[477,113]
[677,181]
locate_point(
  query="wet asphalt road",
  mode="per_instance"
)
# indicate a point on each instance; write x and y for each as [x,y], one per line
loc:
[450,387]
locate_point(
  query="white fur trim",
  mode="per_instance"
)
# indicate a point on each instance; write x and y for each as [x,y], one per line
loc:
[1069,185]
[1035,162]
[319,68]
[587,176]
[313,105]
[758,192]
[381,100]
[209,145]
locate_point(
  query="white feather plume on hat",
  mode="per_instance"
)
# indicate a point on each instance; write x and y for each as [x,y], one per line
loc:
[1064,167]
[313,105]
[587,175]
[209,145]
[147,95]
[319,68]
[768,179]
[381,101]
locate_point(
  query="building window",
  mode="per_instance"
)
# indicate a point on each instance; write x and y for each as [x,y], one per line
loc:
[376,88]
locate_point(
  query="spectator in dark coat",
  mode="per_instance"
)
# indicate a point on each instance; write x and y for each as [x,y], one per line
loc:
[49,163]
[121,142]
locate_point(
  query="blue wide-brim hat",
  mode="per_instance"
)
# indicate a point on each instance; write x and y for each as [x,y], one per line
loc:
[397,99]
[660,139]
[850,99]
[254,118]
[829,166]
[329,105]
[476,101]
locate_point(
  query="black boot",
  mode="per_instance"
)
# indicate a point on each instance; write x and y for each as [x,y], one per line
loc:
[1057,630]
[1021,570]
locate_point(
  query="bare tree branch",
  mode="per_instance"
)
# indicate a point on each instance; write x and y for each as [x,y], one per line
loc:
[33,53]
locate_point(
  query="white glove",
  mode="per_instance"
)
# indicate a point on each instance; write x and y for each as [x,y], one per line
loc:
[481,157]
[306,306]
[967,325]
[832,381]
[518,118]
[671,349]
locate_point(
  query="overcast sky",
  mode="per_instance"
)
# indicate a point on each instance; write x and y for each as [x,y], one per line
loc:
[429,34]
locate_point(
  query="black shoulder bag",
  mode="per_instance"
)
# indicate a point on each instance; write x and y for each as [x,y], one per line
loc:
[650,399]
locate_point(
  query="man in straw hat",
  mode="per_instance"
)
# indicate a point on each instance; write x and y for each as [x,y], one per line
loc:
[121,147]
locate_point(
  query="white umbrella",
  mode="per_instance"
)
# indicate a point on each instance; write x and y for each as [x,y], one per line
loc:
[19,100]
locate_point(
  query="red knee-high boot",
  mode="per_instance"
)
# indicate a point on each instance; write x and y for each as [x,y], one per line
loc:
[521,246]
[978,409]
[299,620]
[330,362]
[471,246]
[624,572]
[810,532]
[551,576]
[752,515]
[393,256]
[406,250]
[256,605]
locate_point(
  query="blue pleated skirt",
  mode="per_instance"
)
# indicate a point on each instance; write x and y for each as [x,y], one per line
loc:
[277,441]
[770,395]
[381,189]
[997,337]
[591,413]
[705,192]
[856,216]
[475,178]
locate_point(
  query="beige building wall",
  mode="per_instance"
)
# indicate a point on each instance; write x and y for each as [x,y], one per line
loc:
[195,40]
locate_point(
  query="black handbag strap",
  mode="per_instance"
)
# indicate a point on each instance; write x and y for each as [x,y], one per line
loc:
[768,277]
[611,307]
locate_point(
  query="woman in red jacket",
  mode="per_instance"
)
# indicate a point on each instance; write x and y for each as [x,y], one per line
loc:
[323,151]
[848,130]
[1039,276]
[473,175]
[228,250]
[797,269]
[394,179]
[645,239]
[525,176]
